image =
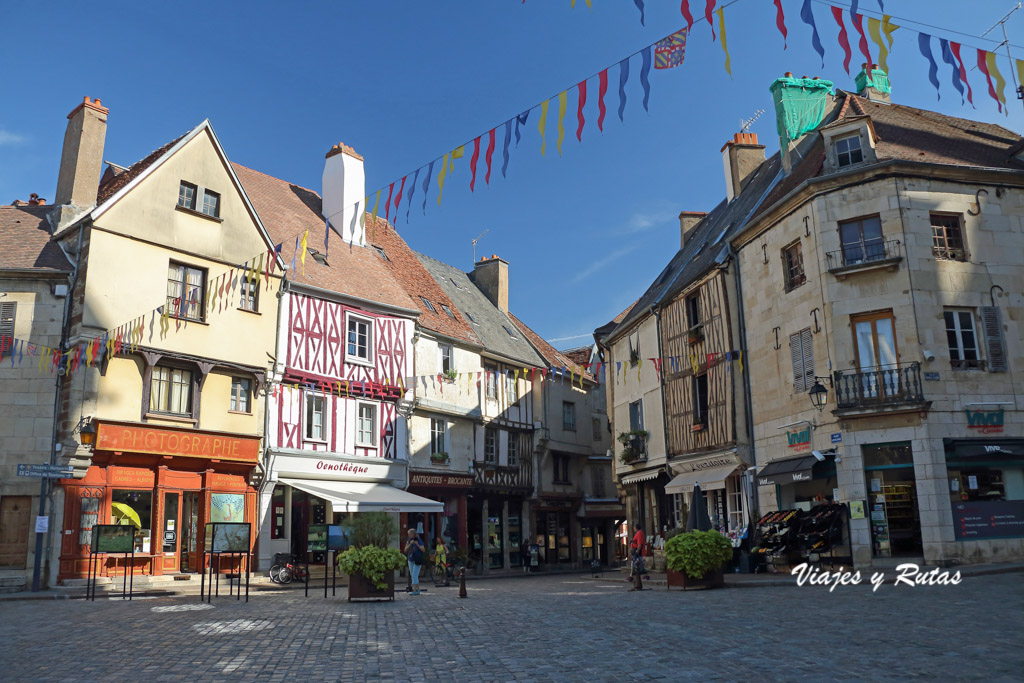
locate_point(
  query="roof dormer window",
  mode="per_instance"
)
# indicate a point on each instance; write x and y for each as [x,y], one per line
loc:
[430,306]
[848,151]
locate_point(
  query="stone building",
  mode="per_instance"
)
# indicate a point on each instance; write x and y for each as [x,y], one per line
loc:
[883,272]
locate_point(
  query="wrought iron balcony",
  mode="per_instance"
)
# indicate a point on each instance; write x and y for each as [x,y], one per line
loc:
[883,387]
[860,254]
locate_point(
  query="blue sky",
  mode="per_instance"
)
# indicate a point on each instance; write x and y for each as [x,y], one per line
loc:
[404,83]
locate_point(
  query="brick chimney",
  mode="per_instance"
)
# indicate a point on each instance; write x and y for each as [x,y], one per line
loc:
[873,84]
[491,276]
[741,156]
[81,159]
[688,220]
[800,107]
[343,192]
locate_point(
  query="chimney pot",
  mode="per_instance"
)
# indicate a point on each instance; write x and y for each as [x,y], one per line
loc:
[82,155]
[688,220]
[740,156]
[343,189]
[789,74]
[491,276]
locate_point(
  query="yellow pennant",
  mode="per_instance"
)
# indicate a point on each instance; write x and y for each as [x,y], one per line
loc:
[741,361]
[562,99]
[721,32]
[874,30]
[441,177]
[376,206]
[887,28]
[302,251]
[639,364]
[990,60]
[362,214]
[256,271]
[541,124]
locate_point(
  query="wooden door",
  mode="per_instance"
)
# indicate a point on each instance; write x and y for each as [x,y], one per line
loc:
[874,341]
[15,515]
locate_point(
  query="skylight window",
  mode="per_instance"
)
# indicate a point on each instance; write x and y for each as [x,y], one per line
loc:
[430,306]
[447,310]
[470,317]
[317,256]
[700,248]
[510,332]
[720,236]
[457,285]
[381,252]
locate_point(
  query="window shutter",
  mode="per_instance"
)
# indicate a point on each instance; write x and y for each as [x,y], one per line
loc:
[992,327]
[807,343]
[7,312]
[796,355]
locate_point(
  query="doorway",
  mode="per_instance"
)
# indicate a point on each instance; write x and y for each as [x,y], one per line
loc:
[15,514]
[874,340]
[892,496]
[189,531]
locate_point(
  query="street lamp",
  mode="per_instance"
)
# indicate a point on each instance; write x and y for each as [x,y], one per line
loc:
[819,395]
[86,431]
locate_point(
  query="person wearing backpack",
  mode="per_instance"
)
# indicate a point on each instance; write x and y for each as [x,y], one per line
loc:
[414,550]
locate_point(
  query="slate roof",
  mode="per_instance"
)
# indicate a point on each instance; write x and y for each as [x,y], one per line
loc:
[25,241]
[410,273]
[490,322]
[287,210]
[549,353]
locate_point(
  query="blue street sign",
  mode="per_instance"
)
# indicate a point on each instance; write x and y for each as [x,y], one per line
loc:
[46,471]
[837,437]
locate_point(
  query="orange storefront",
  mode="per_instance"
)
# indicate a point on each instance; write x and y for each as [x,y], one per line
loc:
[168,483]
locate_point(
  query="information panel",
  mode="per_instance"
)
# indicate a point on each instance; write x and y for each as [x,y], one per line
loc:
[988,519]
[112,538]
[227,538]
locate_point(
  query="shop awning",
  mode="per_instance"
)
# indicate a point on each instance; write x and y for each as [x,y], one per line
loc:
[709,479]
[352,496]
[789,470]
[641,476]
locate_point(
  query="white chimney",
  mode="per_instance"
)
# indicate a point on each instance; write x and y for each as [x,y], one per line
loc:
[344,188]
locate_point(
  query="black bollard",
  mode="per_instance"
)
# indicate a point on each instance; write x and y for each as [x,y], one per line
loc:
[462,583]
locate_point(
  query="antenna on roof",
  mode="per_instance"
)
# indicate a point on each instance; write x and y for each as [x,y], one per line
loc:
[745,125]
[474,244]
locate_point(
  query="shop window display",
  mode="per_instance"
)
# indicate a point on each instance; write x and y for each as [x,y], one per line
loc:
[134,508]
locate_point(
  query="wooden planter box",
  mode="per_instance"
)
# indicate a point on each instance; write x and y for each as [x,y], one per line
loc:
[361,588]
[714,580]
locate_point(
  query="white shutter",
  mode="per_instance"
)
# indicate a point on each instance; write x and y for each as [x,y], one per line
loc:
[992,328]
[801,352]
[807,344]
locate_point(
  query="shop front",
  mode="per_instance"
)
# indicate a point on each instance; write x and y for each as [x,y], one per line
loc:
[497,520]
[646,501]
[311,487]
[721,479]
[167,483]
[986,490]
[450,524]
[598,521]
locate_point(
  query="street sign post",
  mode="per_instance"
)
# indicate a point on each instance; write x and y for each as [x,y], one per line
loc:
[46,471]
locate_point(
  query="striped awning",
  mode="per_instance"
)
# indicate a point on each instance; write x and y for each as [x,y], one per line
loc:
[645,475]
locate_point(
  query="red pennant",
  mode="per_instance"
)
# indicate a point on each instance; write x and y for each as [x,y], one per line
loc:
[858,23]
[780,22]
[472,162]
[581,87]
[708,11]
[387,204]
[490,153]
[398,197]
[684,8]
[983,67]
[844,40]
[955,49]
[602,88]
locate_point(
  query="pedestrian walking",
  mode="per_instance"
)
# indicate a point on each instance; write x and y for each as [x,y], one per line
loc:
[524,554]
[636,548]
[414,550]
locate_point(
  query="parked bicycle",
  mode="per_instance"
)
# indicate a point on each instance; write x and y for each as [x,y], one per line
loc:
[285,569]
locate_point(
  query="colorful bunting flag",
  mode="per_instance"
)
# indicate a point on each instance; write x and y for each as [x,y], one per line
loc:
[581,100]
[426,184]
[504,148]
[387,203]
[947,57]
[521,121]
[924,44]
[670,51]
[412,191]
[487,157]
[602,88]
[780,23]
[440,178]
[640,6]
[398,197]
[807,16]
[709,9]
[684,9]
[844,41]
[862,44]
[875,31]
[472,163]
[562,103]
[623,77]
[542,124]
[725,47]
[645,71]
[993,69]
[954,47]
[983,66]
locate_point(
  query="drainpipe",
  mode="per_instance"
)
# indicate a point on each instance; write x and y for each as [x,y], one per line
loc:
[661,393]
[747,400]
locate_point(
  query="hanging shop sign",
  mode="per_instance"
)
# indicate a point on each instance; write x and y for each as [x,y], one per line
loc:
[799,439]
[985,421]
[462,481]
[167,441]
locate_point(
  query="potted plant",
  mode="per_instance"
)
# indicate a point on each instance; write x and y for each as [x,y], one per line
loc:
[450,375]
[695,335]
[699,424]
[439,458]
[370,563]
[634,445]
[696,559]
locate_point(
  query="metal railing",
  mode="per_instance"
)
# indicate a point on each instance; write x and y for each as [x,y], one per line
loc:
[878,387]
[861,253]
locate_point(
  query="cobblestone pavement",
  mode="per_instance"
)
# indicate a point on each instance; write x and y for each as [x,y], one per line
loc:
[540,628]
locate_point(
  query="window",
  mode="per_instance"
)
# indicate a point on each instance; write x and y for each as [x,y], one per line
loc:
[360,340]
[211,203]
[693,310]
[366,425]
[490,445]
[861,240]
[700,399]
[185,291]
[513,449]
[250,290]
[636,416]
[510,332]
[793,263]
[277,505]
[470,318]
[561,465]
[597,428]
[125,506]
[445,357]
[187,195]
[511,389]
[318,256]
[240,392]
[963,342]
[598,475]
[437,432]
[380,252]
[8,313]
[948,237]
[634,348]
[430,306]
[491,383]
[315,427]
[734,493]
[457,285]
[447,311]
[848,151]
[569,416]
[801,350]
[171,391]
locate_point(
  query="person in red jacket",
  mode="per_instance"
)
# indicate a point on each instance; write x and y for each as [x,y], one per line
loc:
[637,546]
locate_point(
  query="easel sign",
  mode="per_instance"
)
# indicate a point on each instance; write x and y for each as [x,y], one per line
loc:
[327,539]
[112,539]
[231,539]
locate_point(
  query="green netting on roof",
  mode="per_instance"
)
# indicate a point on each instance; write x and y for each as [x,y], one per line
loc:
[799,106]
[877,79]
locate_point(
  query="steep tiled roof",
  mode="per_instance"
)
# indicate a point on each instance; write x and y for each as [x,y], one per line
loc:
[550,354]
[115,181]
[410,273]
[490,322]
[578,355]
[287,210]
[25,240]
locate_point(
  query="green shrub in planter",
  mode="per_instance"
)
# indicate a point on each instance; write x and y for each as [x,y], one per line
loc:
[371,562]
[698,553]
